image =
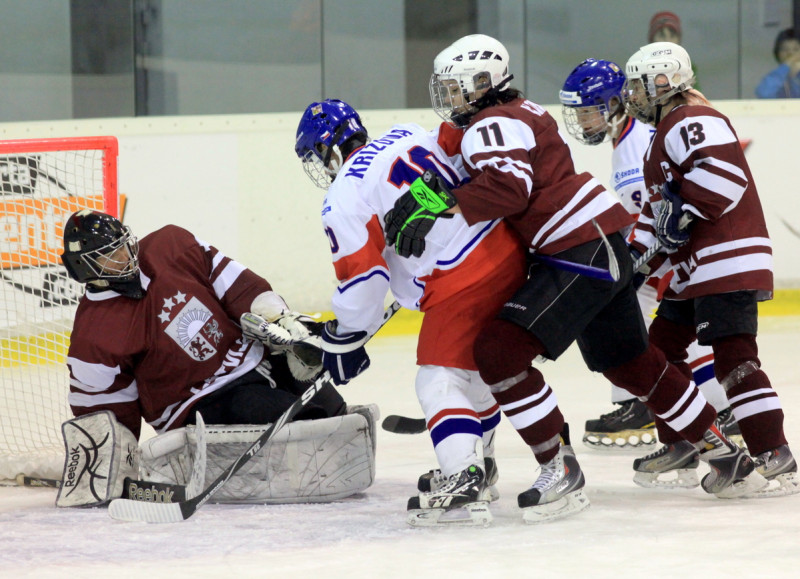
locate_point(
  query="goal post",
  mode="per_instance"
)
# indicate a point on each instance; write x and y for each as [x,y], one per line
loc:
[42,182]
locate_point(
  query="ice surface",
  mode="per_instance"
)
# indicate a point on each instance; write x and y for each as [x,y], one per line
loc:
[627,532]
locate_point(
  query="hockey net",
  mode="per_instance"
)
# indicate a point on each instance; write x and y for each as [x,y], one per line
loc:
[42,182]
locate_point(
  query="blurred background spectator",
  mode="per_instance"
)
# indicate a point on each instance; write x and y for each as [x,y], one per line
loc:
[784,81]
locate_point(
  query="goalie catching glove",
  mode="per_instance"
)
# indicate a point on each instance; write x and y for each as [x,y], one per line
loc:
[271,322]
[414,213]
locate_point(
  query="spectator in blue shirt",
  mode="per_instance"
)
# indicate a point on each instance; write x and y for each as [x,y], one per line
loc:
[784,81]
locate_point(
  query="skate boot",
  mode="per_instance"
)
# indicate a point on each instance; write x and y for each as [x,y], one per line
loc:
[733,473]
[433,480]
[730,428]
[629,426]
[557,493]
[779,467]
[462,500]
[672,466]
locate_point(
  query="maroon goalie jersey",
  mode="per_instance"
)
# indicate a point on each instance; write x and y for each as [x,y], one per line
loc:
[522,170]
[729,248]
[154,358]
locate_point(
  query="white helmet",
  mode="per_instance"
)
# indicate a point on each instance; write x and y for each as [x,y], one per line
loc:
[656,66]
[463,73]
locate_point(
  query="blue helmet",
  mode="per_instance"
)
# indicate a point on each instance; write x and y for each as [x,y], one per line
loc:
[323,126]
[597,84]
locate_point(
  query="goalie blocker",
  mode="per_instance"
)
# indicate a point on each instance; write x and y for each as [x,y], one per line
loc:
[307,461]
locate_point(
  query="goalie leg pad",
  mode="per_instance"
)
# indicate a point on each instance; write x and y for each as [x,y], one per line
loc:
[308,461]
[100,454]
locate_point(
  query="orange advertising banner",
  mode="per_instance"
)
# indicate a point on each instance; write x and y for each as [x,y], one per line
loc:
[31,230]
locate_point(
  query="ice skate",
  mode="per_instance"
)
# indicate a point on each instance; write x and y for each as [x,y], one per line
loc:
[629,426]
[673,466]
[433,480]
[733,473]
[462,500]
[779,467]
[558,492]
[730,428]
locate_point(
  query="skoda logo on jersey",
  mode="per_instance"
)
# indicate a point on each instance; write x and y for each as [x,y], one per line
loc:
[194,330]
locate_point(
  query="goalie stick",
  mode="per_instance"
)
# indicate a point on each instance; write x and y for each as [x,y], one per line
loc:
[128,510]
[610,274]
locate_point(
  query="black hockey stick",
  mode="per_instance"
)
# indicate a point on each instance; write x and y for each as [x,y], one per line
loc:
[129,510]
[610,274]
[404,424]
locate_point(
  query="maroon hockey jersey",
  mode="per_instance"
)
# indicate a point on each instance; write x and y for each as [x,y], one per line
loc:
[522,170]
[729,248]
[154,358]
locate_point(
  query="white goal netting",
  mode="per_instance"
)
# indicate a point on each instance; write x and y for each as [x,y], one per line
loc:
[42,182]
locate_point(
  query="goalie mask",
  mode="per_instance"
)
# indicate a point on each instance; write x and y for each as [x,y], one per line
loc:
[466,76]
[656,72]
[102,253]
[323,130]
[592,100]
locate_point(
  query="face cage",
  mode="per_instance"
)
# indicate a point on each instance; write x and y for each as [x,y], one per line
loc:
[640,102]
[319,174]
[442,96]
[595,133]
[98,260]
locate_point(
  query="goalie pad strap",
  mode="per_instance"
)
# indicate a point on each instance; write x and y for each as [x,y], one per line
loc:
[100,453]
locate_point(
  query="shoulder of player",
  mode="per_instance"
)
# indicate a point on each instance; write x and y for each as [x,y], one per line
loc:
[688,113]
[169,234]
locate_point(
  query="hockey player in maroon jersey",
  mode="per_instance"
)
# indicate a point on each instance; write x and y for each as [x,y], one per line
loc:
[157,337]
[522,170]
[704,210]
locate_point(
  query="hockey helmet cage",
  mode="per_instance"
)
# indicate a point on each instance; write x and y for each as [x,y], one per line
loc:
[463,73]
[91,243]
[656,66]
[323,128]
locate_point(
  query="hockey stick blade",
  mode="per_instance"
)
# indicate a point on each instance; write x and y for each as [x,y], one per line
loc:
[610,274]
[404,424]
[128,510]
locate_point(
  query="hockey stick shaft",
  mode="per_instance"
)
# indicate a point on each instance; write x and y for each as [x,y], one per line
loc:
[610,274]
[129,510]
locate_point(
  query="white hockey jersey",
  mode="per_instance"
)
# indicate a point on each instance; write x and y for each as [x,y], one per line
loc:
[366,187]
[627,177]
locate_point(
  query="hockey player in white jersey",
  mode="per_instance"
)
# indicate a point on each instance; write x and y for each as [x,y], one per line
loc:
[459,284]
[594,112]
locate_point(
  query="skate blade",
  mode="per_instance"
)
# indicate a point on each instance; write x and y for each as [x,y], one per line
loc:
[623,440]
[470,515]
[567,505]
[681,478]
[782,485]
[750,484]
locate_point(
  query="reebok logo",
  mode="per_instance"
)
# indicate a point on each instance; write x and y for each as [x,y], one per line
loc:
[151,492]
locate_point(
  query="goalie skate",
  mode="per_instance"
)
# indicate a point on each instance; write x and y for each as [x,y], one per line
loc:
[557,493]
[631,426]
[672,466]
[779,467]
[462,500]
